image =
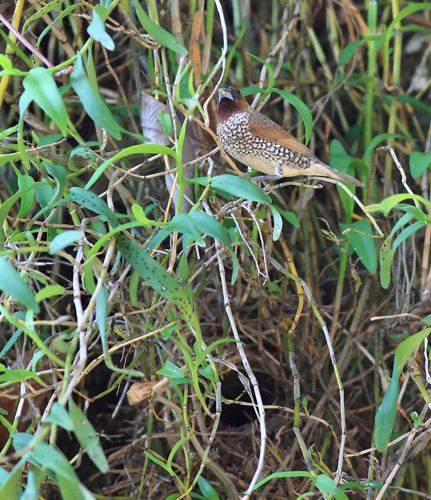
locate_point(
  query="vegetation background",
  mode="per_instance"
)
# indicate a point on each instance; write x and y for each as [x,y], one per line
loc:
[169,327]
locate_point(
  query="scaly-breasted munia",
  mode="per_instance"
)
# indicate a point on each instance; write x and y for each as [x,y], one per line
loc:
[255,140]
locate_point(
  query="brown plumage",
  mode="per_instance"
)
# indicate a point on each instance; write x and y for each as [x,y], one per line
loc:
[258,142]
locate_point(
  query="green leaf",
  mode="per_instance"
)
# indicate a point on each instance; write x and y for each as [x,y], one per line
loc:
[8,69]
[88,437]
[160,34]
[208,492]
[21,440]
[25,184]
[386,257]
[140,215]
[183,223]
[196,223]
[11,485]
[386,414]
[46,456]
[270,72]
[4,474]
[160,280]
[101,312]
[159,462]
[278,223]
[19,375]
[96,28]
[93,104]
[406,349]
[63,240]
[407,233]
[349,51]
[327,486]
[379,139]
[59,416]
[31,491]
[290,217]
[59,173]
[392,201]
[49,291]
[131,150]
[342,161]
[170,370]
[239,187]
[14,285]
[302,109]
[419,162]
[41,88]
[420,105]
[283,475]
[361,238]
[21,325]
[92,202]
[166,122]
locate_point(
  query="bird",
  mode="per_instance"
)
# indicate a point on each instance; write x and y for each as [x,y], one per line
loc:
[259,143]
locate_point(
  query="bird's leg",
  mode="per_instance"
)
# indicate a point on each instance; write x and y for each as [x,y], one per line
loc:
[278,170]
[278,174]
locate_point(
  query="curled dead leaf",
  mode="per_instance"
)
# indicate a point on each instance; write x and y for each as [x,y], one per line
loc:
[140,391]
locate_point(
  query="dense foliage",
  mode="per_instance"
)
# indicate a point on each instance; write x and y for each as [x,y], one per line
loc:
[172,327]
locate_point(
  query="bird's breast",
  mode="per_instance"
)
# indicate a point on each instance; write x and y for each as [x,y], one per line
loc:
[234,130]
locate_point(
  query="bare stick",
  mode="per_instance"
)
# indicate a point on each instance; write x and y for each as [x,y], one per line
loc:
[25,42]
[253,381]
[324,327]
[221,61]
[401,170]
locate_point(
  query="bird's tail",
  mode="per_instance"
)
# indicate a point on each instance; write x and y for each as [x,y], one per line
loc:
[321,170]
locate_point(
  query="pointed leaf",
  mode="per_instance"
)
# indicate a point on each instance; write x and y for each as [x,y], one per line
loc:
[361,238]
[239,187]
[12,283]
[159,33]
[41,88]
[170,370]
[93,104]
[155,275]
[278,223]
[64,239]
[385,416]
[87,437]
[349,51]
[96,28]
[59,416]
[92,202]
[302,109]
[419,162]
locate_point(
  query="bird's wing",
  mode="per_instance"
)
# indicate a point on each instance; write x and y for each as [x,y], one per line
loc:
[266,129]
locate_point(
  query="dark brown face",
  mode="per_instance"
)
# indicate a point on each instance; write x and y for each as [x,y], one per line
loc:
[229,102]
[228,93]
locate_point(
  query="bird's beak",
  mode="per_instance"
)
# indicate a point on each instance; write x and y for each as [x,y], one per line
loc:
[225,93]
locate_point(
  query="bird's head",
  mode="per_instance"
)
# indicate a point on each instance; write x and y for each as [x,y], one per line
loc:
[229,102]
